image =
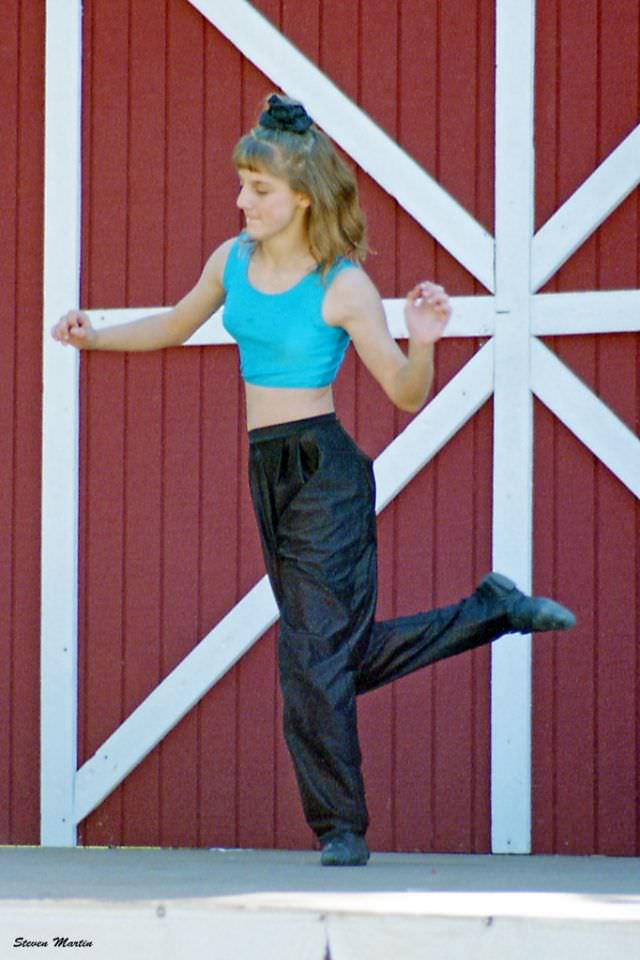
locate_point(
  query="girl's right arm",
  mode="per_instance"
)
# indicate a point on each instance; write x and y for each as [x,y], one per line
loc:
[155,332]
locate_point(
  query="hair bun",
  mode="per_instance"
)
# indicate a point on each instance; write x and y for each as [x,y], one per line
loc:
[285,115]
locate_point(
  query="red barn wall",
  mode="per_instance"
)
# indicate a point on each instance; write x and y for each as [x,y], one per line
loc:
[168,539]
[586,692]
[168,543]
[21,185]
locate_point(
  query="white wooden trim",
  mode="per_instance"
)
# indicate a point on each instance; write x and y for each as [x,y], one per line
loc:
[583,212]
[256,612]
[60,426]
[586,416]
[377,154]
[471,317]
[614,311]
[511,552]
[513,430]
[589,311]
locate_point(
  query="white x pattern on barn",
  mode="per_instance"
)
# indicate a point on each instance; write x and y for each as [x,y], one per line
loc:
[513,366]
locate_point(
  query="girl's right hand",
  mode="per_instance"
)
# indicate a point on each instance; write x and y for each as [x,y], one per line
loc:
[74,329]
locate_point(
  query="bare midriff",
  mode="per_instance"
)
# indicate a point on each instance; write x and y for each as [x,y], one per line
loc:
[270,405]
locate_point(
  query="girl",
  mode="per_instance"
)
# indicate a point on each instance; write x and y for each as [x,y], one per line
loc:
[295,295]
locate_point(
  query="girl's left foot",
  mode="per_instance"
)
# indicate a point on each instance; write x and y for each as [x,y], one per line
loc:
[526,614]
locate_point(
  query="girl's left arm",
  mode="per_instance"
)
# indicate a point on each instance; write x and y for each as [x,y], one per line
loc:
[354,304]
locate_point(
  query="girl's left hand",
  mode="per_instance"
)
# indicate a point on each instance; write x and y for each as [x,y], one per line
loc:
[427,311]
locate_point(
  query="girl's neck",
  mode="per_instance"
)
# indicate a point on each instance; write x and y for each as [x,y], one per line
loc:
[281,255]
[286,249]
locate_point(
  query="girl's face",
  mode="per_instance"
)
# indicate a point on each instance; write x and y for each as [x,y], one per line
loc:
[269,204]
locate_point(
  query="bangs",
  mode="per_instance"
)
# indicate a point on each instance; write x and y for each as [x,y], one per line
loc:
[258,156]
[310,165]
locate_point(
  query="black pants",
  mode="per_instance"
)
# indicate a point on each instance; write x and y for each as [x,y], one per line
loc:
[314,496]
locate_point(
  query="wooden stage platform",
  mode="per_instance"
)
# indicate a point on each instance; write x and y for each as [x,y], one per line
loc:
[273,905]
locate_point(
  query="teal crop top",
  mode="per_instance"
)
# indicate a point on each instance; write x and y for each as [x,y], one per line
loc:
[282,337]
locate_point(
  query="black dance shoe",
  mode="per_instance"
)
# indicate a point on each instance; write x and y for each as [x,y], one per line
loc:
[526,614]
[345,850]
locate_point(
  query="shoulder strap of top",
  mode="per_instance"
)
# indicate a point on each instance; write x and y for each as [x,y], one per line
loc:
[239,253]
[338,265]
[235,259]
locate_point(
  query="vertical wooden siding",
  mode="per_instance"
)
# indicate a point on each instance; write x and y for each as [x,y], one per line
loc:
[21,177]
[167,97]
[168,539]
[587,525]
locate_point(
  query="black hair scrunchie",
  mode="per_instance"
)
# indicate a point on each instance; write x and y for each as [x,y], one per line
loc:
[285,116]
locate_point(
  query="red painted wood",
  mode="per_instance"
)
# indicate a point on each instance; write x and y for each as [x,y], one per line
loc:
[8,360]
[22,69]
[220,553]
[168,541]
[374,417]
[426,742]
[618,545]
[460,730]
[585,698]
[144,406]
[9,169]
[257,723]
[222,427]
[101,661]
[229,753]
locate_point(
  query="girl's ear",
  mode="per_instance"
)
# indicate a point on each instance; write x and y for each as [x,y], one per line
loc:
[304,201]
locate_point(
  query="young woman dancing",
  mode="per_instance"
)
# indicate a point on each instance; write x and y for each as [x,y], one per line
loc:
[294,296]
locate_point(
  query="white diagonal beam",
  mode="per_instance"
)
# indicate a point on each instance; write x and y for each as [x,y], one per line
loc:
[586,209]
[592,422]
[60,405]
[256,612]
[172,699]
[377,154]
[513,429]
[427,433]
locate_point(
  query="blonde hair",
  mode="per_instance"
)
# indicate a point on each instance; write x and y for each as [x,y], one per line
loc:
[311,165]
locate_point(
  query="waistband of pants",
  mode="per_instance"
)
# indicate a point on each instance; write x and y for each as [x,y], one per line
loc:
[290,428]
